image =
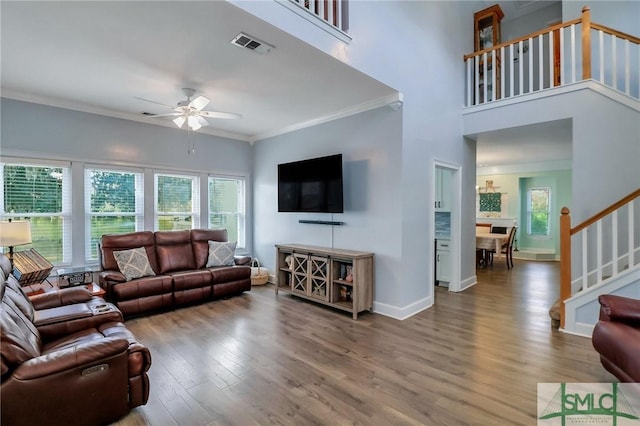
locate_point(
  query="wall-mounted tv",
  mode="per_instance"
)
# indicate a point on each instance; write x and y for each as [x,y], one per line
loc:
[313,185]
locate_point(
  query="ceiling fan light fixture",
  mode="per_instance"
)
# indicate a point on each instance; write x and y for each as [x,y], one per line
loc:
[180,121]
[193,122]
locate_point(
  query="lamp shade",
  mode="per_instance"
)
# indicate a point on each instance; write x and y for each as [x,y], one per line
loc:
[15,233]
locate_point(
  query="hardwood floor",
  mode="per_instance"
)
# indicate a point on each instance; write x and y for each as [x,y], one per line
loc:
[474,358]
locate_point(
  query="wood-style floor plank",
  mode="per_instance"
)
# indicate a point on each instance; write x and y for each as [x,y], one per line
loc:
[473,358]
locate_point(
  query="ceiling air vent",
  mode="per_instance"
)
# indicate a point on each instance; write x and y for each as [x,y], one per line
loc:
[251,43]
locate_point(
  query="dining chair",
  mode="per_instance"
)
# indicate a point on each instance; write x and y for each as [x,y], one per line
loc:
[507,248]
[481,255]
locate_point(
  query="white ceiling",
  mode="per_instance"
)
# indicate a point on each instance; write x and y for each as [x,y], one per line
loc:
[99,56]
[536,143]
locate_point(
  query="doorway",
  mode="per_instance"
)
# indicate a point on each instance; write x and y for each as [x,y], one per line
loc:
[446,225]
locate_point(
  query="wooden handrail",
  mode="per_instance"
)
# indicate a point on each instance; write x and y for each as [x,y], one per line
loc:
[523,38]
[566,231]
[593,219]
[616,33]
[555,27]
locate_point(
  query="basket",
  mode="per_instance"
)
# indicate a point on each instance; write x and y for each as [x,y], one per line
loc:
[259,275]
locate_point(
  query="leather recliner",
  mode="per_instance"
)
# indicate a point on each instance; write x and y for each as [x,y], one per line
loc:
[86,368]
[616,336]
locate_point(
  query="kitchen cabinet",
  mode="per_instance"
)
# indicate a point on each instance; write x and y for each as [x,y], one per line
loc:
[443,190]
[443,262]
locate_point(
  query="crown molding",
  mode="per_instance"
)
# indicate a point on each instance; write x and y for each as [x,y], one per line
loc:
[392,100]
[91,109]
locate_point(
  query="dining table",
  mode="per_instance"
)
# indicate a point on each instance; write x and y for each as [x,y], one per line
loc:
[489,241]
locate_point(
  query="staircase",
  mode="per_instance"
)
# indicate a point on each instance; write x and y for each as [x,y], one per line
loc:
[598,256]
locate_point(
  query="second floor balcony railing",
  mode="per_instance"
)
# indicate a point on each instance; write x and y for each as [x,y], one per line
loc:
[559,55]
[333,12]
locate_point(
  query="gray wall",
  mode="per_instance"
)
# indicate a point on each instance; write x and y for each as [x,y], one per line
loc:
[43,132]
[416,48]
[370,145]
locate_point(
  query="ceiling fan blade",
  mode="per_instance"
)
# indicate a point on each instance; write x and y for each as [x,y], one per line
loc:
[219,114]
[154,102]
[173,114]
[199,102]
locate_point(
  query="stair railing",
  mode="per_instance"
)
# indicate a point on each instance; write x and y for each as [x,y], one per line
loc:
[559,55]
[606,244]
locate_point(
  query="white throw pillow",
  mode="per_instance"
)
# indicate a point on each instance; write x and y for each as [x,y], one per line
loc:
[133,263]
[221,254]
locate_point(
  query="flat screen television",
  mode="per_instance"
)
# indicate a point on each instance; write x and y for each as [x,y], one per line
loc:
[313,185]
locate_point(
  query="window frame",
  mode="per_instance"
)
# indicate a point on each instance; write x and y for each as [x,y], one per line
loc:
[241,207]
[65,205]
[138,214]
[530,212]
[195,199]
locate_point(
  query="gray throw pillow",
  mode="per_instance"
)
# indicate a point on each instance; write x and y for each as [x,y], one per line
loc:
[221,254]
[133,263]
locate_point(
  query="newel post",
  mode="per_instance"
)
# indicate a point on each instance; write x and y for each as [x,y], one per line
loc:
[565,260]
[586,43]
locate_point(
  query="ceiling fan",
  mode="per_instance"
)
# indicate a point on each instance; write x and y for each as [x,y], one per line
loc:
[190,111]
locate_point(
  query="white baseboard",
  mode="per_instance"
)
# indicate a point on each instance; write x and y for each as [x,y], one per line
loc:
[469,282]
[402,313]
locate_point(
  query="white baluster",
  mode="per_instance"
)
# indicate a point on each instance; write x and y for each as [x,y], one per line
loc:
[321,4]
[585,265]
[562,59]
[484,77]
[469,80]
[329,18]
[573,53]
[540,63]
[511,83]
[601,44]
[338,22]
[520,66]
[530,56]
[614,62]
[599,251]
[502,92]
[551,59]
[476,70]
[627,70]
[614,242]
[494,74]
[632,253]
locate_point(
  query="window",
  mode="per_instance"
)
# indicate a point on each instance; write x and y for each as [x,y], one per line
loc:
[41,194]
[226,207]
[113,205]
[177,202]
[538,209]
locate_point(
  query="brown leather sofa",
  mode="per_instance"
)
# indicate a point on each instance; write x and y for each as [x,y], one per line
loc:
[616,336]
[179,260]
[66,358]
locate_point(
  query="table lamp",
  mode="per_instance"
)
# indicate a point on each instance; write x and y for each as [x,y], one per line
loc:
[14,233]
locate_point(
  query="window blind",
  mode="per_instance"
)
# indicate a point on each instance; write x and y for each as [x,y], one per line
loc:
[226,207]
[40,192]
[114,204]
[177,202]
